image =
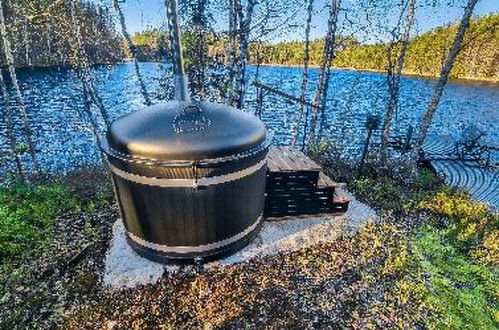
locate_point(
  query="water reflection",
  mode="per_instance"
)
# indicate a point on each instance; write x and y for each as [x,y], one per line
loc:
[64,137]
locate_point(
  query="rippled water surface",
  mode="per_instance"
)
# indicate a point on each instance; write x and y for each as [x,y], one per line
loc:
[54,103]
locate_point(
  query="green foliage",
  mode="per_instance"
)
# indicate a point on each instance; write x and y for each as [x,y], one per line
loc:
[381,193]
[469,222]
[43,33]
[151,45]
[425,54]
[464,294]
[427,181]
[27,214]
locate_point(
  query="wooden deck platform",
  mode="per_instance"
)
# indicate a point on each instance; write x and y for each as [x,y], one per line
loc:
[296,185]
[481,182]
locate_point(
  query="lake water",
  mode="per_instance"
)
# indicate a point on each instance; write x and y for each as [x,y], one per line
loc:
[54,103]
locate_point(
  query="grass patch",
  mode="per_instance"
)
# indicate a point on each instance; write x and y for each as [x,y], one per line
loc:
[28,211]
[465,294]
[470,224]
[390,195]
[27,216]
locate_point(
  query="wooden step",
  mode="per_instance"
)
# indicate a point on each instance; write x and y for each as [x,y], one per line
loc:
[296,185]
[287,159]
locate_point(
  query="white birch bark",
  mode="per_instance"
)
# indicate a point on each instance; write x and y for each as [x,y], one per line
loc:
[325,70]
[133,52]
[444,75]
[394,82]
[9,63]
[244,31]
[9,125]
[304,83]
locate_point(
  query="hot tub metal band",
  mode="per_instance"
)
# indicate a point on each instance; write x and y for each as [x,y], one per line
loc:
[161,182]
[197,248]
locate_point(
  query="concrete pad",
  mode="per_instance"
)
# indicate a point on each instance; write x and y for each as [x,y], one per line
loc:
[126,269]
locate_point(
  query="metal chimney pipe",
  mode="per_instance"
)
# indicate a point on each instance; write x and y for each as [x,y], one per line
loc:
[181,80]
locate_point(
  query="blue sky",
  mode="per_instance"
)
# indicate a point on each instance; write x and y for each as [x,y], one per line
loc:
[140,15]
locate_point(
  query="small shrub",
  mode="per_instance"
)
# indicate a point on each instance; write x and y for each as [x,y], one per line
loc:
[427,180]
[469,222]
[487,251]
[382,193]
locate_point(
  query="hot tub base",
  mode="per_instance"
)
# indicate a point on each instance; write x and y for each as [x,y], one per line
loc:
[188,254]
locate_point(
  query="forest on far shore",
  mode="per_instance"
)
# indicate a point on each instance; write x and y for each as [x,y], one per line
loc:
[48,38]
[426,53]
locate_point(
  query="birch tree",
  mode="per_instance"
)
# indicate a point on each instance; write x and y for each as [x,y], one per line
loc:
[304,83]
[81,64]
[133,51]
[393,78]
[325,69]
[245,19]
[9,63]
[444,75]
[232,59]
[9,125]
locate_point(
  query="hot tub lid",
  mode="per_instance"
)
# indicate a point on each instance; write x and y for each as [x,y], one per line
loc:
[185,131]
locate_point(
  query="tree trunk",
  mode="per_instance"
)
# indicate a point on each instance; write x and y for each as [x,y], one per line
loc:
[325,70]
[232,59]
[304,83]
[199,54]
[444,75]
[9,125]
[133,51]
[9,63]
[80,62]
[244,31]
[394,82]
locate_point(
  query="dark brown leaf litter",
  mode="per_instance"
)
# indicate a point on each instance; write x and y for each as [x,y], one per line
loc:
[347,283]
[38,291]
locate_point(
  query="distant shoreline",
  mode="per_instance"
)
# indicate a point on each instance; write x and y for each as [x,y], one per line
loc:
[489,80]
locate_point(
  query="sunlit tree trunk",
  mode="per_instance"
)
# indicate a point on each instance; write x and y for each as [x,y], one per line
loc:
[244,32]
[80,62]
[304,83]
[232,59]
[444,75]
[394,81]
[9,125]
[325,70]
[133,52]
[9,63]
[199,55]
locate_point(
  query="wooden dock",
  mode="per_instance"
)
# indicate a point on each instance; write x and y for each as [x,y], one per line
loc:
[481,182]
[296,185]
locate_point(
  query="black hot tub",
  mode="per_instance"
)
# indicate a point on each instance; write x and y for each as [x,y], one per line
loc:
[189,178]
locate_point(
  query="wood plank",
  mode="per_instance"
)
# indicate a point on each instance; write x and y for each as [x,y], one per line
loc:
[313,166]
[283,166]
[272,162]
[299,162]
[287,159]
[324,181]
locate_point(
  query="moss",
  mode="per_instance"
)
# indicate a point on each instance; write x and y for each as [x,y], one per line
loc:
[83,282]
